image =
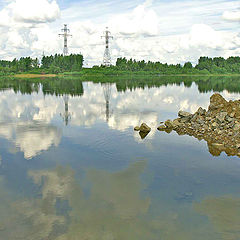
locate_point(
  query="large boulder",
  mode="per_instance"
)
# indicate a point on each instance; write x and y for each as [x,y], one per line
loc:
[183,114]
[162,128]
[137,128]
[169,124]
[145,128]
[201,111]
[185,119]
[216,102]
[143,134]
[176,123]
[219,104]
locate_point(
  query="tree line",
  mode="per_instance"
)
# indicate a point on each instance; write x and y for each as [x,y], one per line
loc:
[206,65]
[53,64]
[74,63]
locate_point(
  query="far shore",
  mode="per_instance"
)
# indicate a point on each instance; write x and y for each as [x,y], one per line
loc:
[117,74]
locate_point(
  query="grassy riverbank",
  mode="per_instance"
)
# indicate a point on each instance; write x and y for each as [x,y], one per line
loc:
[90,73]
[115,72]
[104,72]
[34,75]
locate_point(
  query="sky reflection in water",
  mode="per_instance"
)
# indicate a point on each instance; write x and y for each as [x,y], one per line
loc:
[73,168]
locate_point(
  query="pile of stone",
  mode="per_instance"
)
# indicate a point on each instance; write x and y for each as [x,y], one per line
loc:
[219,125]
[144,130]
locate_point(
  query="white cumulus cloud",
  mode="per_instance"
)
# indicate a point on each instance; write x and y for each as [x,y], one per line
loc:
[142,21]
[204,35]
[34,11]
[231,15]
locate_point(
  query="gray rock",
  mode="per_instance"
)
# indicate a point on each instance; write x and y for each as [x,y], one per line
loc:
[220,117]
[169,124]
[226,127]
[214,125]
[201,111]
[137,128]
[143,134]
[145,128]
[183,114]
[219,132]
[162,128]
[200,121]
[208,114]
[236,127]
[217,145]
[194,117]
[229,119]
[176,123]
[185,119]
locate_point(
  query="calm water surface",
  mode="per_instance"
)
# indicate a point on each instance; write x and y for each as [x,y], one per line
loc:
[71,167]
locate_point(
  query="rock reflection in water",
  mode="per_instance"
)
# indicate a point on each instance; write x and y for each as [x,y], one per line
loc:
[143,134]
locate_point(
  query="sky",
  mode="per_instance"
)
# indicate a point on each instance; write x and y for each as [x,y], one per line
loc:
[173,31]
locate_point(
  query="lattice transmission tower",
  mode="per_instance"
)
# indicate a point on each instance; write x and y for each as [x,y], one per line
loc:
[65,36]
[107,55]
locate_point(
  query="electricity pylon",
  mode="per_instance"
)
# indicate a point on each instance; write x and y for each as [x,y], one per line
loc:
[107,55]
[65,35]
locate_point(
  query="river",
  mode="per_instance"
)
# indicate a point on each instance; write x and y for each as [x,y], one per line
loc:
[71,166]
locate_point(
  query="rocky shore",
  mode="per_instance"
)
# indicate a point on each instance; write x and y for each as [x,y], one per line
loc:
[219,125]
